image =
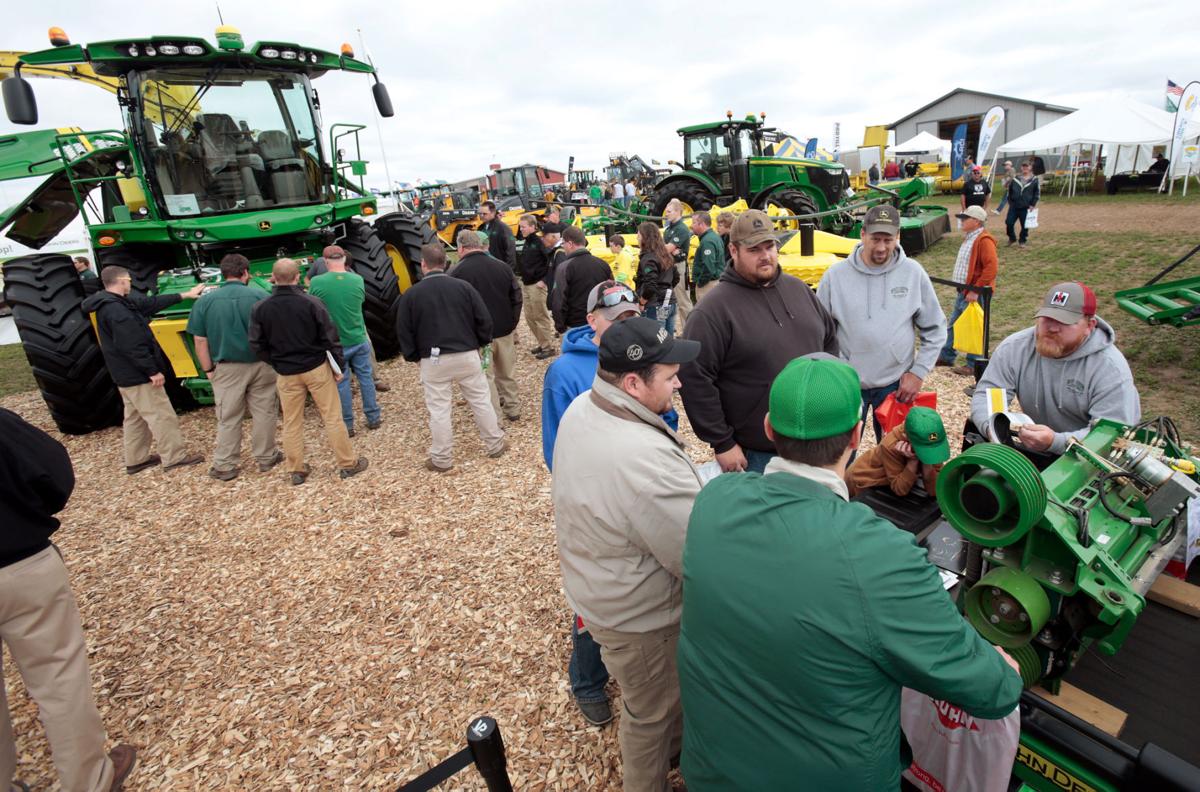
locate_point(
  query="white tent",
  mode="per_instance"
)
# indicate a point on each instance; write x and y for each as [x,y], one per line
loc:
[922,143]
[1127,129]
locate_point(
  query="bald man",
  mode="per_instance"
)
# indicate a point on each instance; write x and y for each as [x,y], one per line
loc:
[293,333]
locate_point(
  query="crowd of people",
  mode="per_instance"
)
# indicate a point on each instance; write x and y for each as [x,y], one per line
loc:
[707,599]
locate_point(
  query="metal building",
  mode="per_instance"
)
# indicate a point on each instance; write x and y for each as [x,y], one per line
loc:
[963,106]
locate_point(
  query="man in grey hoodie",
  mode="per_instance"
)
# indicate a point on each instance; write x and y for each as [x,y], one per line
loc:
[883,301]
[1066,371]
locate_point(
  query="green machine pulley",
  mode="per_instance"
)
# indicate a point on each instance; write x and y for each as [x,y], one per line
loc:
[991,494]
[1008,607]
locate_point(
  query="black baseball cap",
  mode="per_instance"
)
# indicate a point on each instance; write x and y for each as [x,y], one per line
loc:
[637,342]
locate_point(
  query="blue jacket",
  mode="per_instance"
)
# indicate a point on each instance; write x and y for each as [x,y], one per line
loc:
[568,376]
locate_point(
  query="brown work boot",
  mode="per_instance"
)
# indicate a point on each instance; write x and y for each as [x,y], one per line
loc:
[499,452]
[123,758]
[223,475]
[190,459]
[299,477]
[358,467]
[382,386]
[275,459]
[151,461]
[436,468]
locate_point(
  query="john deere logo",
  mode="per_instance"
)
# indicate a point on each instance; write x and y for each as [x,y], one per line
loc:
[264,225]
[758,223]
[885,216]
[933,437]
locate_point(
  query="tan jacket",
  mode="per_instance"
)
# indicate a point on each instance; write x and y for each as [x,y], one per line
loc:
[623,491]
[883,465]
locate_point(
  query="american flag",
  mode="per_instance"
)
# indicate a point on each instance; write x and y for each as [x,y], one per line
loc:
[1176,91]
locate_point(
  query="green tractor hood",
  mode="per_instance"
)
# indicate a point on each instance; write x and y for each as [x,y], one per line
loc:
[52,206]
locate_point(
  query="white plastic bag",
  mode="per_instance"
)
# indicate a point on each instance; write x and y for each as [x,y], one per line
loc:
[1031,217]
[954,751]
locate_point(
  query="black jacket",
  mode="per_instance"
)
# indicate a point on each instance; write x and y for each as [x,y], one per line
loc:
[444,312]
[652,281]
[292,331]
[500,242]
[747,334]
[36,480]
[497,286]
[534,260]
[575,276]
[131,353]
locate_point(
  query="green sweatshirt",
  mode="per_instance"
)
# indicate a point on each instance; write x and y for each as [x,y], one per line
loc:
[803,616]
[709,261]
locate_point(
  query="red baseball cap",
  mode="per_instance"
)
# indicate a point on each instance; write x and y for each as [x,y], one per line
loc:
[1068,302]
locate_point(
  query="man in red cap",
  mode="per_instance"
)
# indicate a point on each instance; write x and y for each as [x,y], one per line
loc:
[1066,371]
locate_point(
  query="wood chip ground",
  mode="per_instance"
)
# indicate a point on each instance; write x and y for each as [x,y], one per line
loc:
[334,636]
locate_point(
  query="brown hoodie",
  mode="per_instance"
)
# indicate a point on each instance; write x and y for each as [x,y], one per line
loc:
[883,464]
[747,334]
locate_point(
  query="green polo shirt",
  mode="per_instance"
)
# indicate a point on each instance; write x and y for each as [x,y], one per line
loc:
[223,317]
[681,235]
[343,294]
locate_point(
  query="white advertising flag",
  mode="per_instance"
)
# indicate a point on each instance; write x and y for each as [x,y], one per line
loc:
[1187,117]
[987,131]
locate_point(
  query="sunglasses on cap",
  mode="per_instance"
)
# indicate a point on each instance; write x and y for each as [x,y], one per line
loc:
[615,295]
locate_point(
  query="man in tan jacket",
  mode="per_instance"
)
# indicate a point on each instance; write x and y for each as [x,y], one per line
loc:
[623,492]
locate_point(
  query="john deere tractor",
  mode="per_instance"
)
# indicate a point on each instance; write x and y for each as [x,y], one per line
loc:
[220,150]
[734,159]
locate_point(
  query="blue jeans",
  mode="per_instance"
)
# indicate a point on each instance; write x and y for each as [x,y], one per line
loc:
[651,312]
[358,362]
[756,461]
[949,354]
[1010,221]
[586,670]
[872,398]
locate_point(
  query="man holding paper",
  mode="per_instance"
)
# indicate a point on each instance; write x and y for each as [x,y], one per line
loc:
[294,333]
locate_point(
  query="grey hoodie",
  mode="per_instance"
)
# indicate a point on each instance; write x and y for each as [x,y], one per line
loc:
[880,312]
[1065,394]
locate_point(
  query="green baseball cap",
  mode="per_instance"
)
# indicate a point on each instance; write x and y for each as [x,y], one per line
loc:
[927,435]
[815,398]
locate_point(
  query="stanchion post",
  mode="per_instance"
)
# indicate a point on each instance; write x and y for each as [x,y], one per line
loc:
[806,239]
[483,738]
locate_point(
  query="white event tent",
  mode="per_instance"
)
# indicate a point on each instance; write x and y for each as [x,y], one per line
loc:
[922,144]
[1127,129]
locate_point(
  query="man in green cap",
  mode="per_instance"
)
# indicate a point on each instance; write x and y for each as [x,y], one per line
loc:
[804,615]
[914,449]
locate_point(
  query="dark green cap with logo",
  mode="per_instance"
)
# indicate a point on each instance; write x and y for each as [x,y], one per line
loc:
[882,219]
[927,435]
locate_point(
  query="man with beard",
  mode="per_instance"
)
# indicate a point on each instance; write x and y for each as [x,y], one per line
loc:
[1065,370]
[750,325]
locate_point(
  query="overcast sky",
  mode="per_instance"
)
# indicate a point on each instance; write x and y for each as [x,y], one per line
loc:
[508,82]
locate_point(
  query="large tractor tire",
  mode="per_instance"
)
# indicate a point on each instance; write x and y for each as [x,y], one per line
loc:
[45,293]
[694,196]
[403,236]
[795,203]
[369,258]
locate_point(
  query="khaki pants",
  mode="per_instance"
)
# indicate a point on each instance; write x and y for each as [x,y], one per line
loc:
[149,414]
[438,379]
[39,622]
[237,386]
[500,377]
[681,296]
[292,390]
[536,316]
[651,729]
[705,289]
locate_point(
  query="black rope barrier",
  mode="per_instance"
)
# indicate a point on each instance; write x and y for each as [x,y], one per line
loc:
[485,750]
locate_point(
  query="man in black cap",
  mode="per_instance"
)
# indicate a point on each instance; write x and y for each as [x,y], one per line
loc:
[623,491]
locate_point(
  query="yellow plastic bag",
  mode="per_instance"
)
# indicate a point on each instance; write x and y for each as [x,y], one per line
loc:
[968,330]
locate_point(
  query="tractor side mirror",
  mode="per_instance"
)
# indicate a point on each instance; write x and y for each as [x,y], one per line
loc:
[19,101]
[382,101]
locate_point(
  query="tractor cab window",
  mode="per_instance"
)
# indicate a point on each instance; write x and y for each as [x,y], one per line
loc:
[748,144]
[221,141]
[708,153]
